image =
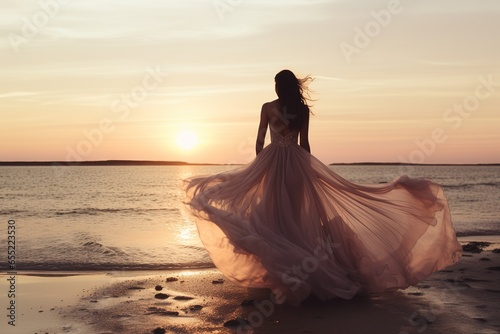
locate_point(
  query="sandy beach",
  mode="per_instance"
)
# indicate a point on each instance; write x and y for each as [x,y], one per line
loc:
[461,299]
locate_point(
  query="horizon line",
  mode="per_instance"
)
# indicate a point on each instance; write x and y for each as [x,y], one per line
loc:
[184,163]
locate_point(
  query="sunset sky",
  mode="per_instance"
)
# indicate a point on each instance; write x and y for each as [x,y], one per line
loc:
[405,80]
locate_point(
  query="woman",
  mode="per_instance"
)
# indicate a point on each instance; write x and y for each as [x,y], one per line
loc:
[288,223]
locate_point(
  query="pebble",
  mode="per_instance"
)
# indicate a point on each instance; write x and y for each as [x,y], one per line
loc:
[247,302]
[170,313]
[183,298]
[161,296]
[235,322]
[475,246]
[416,293]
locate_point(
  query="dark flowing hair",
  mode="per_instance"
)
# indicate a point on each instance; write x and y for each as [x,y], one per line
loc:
[294,96]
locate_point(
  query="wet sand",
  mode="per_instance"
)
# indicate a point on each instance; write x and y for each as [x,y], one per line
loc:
[461,299]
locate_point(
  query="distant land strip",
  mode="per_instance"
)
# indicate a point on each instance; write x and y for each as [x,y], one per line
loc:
[408,164]
[183,163]
[102,163]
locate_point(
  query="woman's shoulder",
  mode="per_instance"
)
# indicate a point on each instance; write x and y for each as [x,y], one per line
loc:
[271,104]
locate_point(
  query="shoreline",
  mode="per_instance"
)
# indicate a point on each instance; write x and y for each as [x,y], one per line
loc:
[460,299]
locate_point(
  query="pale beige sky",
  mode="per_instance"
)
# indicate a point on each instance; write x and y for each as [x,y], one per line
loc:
[395,80]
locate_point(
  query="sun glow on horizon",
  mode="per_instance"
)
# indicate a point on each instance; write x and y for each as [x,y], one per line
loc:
[186,140]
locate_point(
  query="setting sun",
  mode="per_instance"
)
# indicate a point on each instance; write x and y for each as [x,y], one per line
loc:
[186,140]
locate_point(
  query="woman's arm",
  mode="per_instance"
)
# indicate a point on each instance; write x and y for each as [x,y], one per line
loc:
[261,133]
[304,133]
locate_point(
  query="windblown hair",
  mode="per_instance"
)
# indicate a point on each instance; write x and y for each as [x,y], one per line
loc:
[293,95]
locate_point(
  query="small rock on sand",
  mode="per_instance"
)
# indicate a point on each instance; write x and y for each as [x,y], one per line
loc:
[183,298]
[493,268]
[416,293]
[219,281]
[172,279]
[169,313]
[236,322]
[158,288]
[247,302]
[475,246]
[158,330]
[161,296]
[161,311]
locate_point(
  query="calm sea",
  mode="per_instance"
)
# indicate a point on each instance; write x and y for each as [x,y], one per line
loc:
[132,217]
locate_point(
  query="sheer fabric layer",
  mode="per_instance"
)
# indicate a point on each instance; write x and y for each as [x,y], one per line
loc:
[288,223]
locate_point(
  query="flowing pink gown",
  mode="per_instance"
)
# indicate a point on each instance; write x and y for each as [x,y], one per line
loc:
[288,223]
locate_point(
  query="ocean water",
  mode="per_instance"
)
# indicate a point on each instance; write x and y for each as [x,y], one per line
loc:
[133,217]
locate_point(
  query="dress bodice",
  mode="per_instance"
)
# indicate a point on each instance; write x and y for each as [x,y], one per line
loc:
[284,140]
